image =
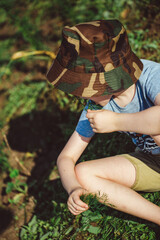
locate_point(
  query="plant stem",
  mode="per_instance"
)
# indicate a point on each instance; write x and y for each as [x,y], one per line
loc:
[15,156]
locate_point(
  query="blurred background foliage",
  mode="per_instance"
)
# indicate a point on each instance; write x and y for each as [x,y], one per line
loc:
[30,108]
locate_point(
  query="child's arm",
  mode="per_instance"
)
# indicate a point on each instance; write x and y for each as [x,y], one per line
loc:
[157,137]
[146,122]
[66,165]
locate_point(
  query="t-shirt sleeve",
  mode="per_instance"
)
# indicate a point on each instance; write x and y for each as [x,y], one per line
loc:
[153,82]
[83,127]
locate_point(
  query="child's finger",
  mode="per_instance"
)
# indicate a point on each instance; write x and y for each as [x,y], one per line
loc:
[91,120]
[95,130]
[92,126]
[73,210]
[93,111]
[80,203]
[89,115]
[78,208]
[77,203]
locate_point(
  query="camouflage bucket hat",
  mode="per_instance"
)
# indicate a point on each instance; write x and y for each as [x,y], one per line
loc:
[95,59]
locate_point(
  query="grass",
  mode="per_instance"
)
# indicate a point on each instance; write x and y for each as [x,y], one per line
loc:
[99,222]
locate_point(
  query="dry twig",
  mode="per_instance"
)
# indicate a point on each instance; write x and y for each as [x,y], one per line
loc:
[25,170]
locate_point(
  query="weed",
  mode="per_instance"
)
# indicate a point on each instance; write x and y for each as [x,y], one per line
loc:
[95,223]
[4,165]
[22,98]
[16,184]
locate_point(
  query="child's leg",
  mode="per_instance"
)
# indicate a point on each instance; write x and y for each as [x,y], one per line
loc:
[114,177]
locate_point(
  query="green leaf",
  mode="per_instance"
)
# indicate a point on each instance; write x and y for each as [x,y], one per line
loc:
[10,187]
[17,198]
[14,173]
[45,236]
[21,187]
[68,230]
[56,232]
[94,230]
[23,232]
[33,221]
[98,216]
[34,228]
[57,221]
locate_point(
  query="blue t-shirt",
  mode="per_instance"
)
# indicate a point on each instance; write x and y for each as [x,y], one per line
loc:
[147,88]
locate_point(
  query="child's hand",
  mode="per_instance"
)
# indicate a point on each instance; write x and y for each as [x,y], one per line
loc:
[75,204]
[102,121]
[156,139]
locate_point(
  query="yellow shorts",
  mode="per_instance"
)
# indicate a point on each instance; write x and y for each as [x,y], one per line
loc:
[147,179]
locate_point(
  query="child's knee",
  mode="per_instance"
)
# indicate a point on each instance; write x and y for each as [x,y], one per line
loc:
[81,172]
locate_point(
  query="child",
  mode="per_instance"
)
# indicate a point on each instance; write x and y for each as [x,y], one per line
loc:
[95,62]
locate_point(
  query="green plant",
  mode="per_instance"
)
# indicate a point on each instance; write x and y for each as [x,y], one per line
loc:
[4,164]
[24,23]
[23,98]
[95,223]
[55,228]
[141,44]
[15,185]
[88,10]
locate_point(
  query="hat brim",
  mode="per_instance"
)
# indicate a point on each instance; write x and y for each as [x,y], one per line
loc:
[96,84]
